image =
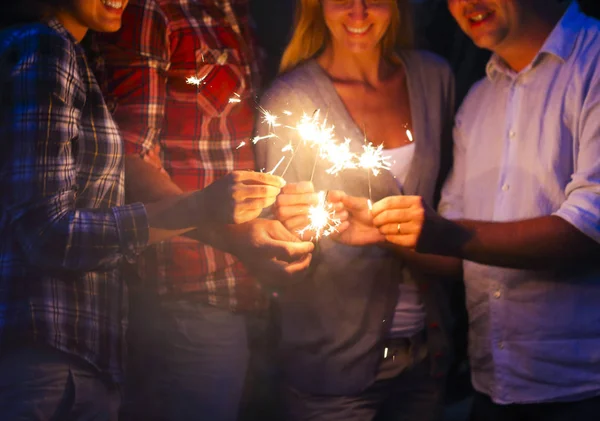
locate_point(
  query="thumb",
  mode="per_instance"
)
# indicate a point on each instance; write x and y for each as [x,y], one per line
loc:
[355,204]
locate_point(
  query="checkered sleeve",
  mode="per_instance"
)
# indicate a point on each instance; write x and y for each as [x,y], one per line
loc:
[38,173]
[136,61]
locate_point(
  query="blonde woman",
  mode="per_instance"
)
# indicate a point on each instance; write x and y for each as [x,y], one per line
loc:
[363,336]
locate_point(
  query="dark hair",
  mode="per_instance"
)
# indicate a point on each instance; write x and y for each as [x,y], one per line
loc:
[26,11]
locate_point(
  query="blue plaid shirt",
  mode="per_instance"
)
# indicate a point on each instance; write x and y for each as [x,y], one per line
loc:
[64,227]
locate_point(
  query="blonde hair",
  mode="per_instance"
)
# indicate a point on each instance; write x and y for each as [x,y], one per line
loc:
[311,34]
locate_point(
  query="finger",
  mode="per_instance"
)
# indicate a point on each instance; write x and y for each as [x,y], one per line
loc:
[391,216]
[341,228]
[290,250]
[395,202]
[254,177]
[308,199]
[243,192]
[405,229]
[342,216]
[354,203]
[298,265]
[407,241]
[334,196]
[337,207]
[296,224]
[283,213]
[299,188]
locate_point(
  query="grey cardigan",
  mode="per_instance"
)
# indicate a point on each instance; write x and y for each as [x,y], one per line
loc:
[334,321]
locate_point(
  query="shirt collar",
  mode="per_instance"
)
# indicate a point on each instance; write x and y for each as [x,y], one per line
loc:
[560,43]
[58,27]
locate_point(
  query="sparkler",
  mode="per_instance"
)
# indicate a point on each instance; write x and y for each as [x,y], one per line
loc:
[193,80]
[321,218]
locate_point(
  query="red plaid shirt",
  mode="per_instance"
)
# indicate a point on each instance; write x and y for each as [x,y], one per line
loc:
[197,129]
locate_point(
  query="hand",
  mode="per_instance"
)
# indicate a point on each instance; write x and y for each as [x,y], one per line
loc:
[360,230]
[408,222]
[238,197]
[293,204]
[270,251]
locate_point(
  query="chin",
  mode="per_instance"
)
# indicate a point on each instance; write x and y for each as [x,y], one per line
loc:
[111,27]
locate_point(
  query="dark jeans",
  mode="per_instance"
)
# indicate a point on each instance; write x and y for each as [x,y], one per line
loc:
[484,409]
[39,383]
[187,362]
[403,391]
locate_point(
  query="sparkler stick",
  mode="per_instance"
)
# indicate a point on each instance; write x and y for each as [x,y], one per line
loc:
[276,166]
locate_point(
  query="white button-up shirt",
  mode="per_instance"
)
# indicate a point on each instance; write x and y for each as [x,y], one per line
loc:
[527,144]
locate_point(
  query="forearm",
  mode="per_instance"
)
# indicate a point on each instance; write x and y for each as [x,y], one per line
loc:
[547,242]
[430,264]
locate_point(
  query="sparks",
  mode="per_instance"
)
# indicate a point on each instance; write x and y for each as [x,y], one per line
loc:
[235,98]
[340,157]
[372,159]
[257,139]
[286,112]
[409,135]
[241,144]
[321,219]
[193,80]
[270,119]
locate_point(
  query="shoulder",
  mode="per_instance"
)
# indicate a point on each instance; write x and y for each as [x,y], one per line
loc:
[293,86]
[427,63]
[37,56]
[36,39]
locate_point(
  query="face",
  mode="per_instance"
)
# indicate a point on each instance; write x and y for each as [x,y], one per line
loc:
[491,24]
[98,15]
[357,25]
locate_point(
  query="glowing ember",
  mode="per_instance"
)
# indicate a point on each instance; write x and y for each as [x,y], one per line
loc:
[257,139]
[193,80]
[321,219]
[372,159]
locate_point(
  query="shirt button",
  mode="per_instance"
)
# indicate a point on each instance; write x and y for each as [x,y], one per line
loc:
[497,294]
[512,134]
[505,187]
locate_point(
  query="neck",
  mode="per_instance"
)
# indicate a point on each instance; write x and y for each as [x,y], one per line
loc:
[71,24]
[521,49]
[368,67]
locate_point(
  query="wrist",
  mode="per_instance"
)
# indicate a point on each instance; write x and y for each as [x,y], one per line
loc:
[444,237]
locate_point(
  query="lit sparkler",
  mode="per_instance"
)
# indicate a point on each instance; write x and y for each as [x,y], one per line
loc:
[373,159]
[193,80]
[321,219]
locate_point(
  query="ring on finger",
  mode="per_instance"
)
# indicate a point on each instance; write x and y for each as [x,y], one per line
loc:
[398,229]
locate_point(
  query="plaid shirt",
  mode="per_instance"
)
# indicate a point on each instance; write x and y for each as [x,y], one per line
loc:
[196,128]
[64,229]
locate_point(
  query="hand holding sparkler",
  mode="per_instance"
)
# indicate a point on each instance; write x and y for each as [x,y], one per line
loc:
[270,251]
[238,197]
[360,230]
[308,213]
[408,222]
